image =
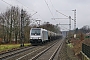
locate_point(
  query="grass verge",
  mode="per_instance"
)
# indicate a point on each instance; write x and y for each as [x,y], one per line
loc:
[11,46]
[70,45]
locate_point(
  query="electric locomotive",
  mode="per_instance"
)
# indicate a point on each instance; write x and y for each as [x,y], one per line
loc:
[40,36]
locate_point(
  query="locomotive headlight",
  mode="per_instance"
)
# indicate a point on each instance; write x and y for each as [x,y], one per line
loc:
[31,38]
[39,37]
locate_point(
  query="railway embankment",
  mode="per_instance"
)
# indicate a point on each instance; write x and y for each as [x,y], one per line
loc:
[67,53]
[78,47]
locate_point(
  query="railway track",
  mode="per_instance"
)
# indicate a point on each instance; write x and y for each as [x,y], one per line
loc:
[22,54]
[49,53]
[13,52]
[28,52]
[35,52]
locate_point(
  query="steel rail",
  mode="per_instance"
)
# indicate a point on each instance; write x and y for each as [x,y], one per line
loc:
[35,57]
[28,54]
[53,55]
[8,54]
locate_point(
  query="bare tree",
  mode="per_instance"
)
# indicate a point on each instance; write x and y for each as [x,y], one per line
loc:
[85,29]
[10,20]
[26,26]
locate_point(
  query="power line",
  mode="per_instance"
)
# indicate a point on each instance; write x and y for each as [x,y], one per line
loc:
[61,13]
[57,10]
[28,8]
[52,4]
[24,5]
[6,2]
[53,7]
[48,8]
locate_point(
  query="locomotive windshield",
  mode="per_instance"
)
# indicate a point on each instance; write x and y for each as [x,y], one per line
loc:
[35,31]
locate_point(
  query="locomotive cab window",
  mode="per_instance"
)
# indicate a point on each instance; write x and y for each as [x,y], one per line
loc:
[35,31]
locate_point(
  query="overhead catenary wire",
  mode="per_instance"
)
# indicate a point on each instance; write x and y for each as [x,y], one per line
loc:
[57,10]
[62,13]
[52,4]
[68,17]
[6,2]
[29,8]
[12,5]
[49,8]
[24,5]
[53,8]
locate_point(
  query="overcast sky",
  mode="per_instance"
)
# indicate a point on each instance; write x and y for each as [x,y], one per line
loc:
[46,10]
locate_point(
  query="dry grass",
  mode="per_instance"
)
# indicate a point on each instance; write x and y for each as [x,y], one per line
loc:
[66,53]
[77,45]
[87,41]
[10,46]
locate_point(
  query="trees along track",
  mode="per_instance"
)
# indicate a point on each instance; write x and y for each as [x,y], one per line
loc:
[49,53]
